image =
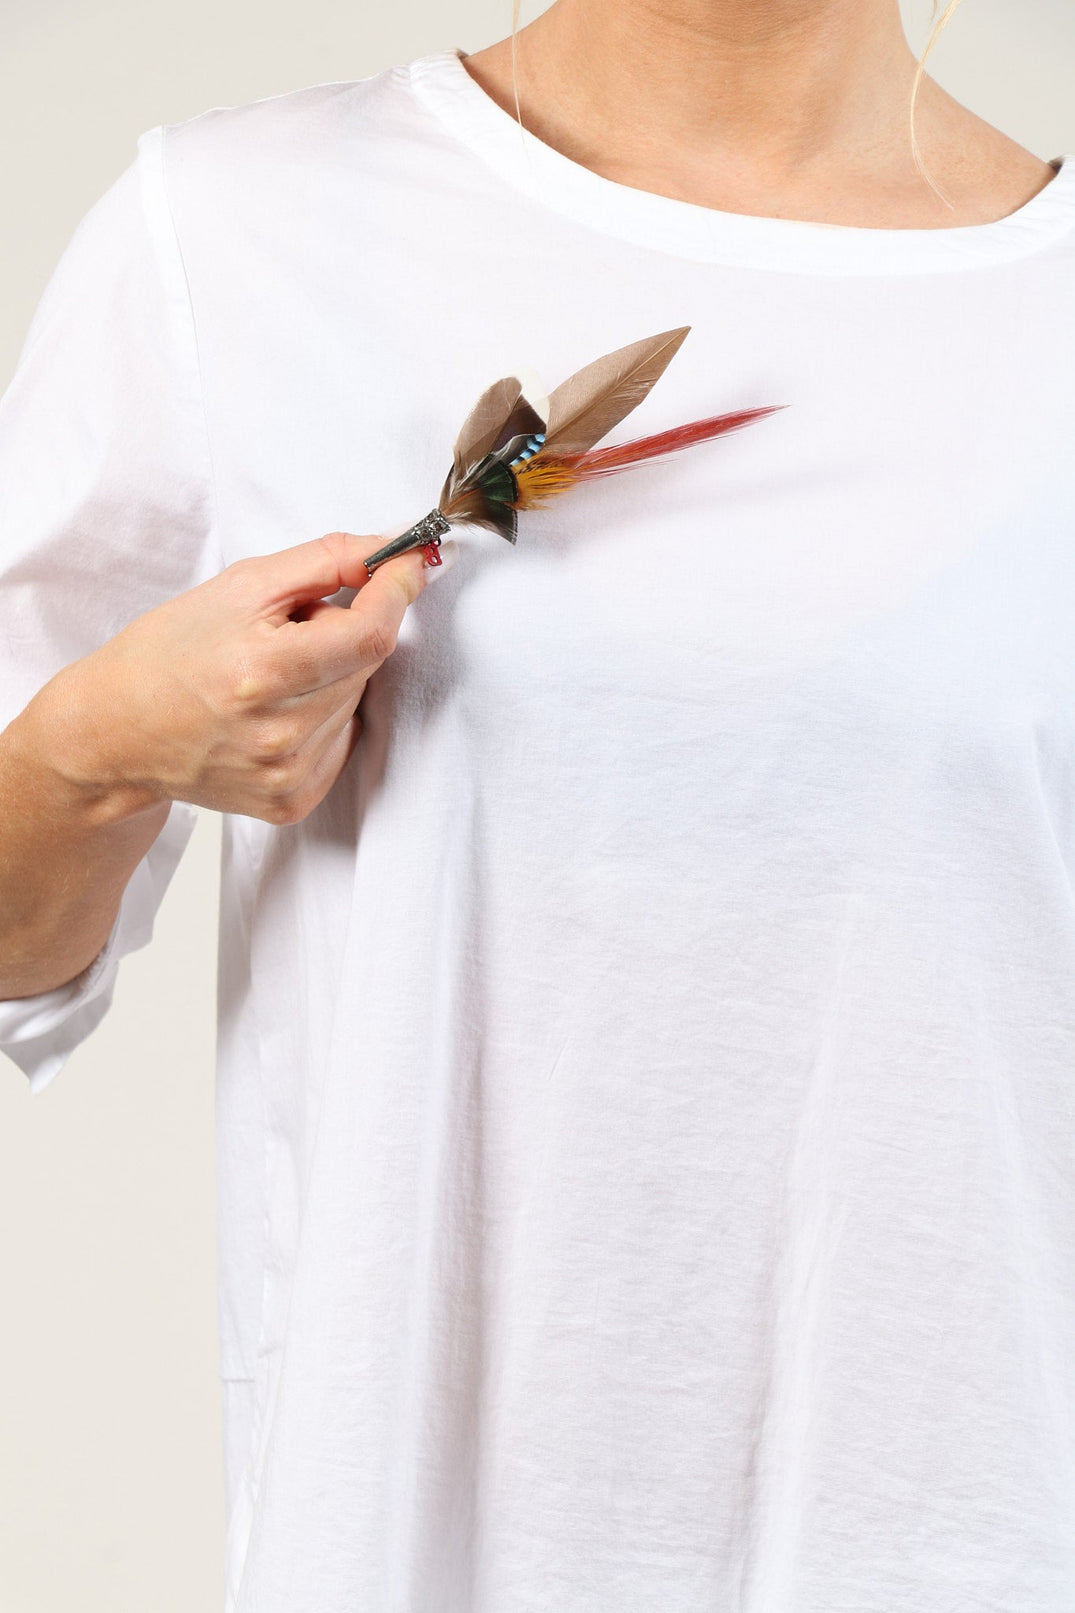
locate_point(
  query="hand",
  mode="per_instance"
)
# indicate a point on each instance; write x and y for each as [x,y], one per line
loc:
[239,695]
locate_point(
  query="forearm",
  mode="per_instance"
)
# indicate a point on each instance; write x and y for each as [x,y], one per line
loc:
[68,846]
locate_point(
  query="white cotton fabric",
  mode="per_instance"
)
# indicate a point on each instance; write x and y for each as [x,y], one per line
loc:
[646,1090]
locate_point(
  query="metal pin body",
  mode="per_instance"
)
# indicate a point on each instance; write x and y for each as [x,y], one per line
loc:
[429,529]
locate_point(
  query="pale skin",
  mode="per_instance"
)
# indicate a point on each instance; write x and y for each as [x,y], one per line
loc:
[241,694]
[784,108]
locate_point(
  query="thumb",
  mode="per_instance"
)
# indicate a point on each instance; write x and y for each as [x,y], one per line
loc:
[342,637]
[395,584]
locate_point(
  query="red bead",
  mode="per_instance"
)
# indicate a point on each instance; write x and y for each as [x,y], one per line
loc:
[432,556]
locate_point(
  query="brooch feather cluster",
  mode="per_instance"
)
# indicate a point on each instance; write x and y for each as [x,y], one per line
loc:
[513,455]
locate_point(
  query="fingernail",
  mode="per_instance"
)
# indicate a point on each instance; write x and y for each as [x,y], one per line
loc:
[447,551]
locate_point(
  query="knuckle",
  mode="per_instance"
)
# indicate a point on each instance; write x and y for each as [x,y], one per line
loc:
[275,741]
[253,682]
[336,543]
[281,776]
[240,573]
[290,807]
[245,684]
[379,641]
[275,812]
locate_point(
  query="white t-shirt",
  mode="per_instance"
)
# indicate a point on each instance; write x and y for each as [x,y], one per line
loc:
[647,1081]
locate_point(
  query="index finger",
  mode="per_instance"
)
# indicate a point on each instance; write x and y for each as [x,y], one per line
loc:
[340,640]
[279,583]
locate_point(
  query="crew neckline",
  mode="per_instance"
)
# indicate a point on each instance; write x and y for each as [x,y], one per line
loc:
[689,230]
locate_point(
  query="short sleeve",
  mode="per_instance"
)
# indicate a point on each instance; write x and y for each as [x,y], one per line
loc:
[106,509]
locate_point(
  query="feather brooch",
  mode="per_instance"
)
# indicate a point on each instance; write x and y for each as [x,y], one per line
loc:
[511,456]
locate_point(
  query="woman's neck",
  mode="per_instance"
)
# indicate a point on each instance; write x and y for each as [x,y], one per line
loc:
[790,108]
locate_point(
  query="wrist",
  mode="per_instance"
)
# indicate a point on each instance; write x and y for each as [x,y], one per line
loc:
[61,741]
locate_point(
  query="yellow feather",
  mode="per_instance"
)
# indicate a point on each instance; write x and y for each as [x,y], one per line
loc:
[539,479]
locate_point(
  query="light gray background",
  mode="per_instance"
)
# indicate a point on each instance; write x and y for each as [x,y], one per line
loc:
[111,1494]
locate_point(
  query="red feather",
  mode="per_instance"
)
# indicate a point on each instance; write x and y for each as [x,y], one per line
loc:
[601,461]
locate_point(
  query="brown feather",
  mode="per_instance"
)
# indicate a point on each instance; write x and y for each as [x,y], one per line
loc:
[508,439]
[482,425]
[589,403]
